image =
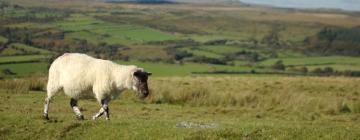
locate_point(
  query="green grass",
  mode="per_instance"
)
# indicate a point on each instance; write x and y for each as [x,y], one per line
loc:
[22,58]
[272,108]
[198,52]
[315,60]
[77,22]
[339,67]
[31,25]
[96,31]
[221,49]
[29,49]
[339,63]
[26,69]
[161,69]
[10,51]
[22,49]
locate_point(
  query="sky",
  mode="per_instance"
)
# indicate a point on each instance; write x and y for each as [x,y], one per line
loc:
[350,5]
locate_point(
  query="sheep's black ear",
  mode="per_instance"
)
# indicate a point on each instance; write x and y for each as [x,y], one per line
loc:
[137,73]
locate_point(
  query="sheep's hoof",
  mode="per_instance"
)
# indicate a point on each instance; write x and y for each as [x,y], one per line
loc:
[45,117]
[81,117]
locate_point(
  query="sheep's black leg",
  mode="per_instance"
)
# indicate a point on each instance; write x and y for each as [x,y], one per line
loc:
[73,104]
[104,109]
[107,115]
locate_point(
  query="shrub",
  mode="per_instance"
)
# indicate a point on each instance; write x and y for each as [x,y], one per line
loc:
[302,70]
[327,71]
[203,59]
[278,65]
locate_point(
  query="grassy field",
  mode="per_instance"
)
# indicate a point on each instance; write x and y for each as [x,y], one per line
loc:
[339,63]
[96,31]
[142,33]
[163,69]
[26,69]
[247,108]
[166,39]
[22,58]
[316,60]
[22,49]
[186,69]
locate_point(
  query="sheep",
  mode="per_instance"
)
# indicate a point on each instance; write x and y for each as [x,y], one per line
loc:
[77,74]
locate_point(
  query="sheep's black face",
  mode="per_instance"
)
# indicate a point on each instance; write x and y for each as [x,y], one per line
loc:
[141,83]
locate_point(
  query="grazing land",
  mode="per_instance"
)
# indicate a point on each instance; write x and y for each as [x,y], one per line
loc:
[246,108]
[242,38]
[220,70]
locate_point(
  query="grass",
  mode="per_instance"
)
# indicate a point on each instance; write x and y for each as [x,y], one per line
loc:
[96,31]
[340,67]
[221,49]
[22,58]
[25,69]
[22,49]
[250,108]
[162,69]
[198,52]
[30,25]
[316,60]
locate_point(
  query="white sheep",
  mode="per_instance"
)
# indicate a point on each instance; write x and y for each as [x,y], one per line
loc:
[76,74]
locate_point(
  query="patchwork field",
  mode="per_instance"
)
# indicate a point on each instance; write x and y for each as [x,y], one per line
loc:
[177,39]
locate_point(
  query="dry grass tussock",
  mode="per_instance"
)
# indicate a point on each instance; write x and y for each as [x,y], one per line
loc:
[24,85]
[329,95]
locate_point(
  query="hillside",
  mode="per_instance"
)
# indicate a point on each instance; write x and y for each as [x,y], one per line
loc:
[222,38]
[220,70]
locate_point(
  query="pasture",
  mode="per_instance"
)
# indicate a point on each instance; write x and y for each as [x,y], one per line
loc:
[21,58]
[96,31]
[228,71]
[245,108]
[22,49]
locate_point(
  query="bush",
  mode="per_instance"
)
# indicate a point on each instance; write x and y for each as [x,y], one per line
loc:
[327,71]
[7,72]
[203,59]
[278,65]
[302,70]
[216,42]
